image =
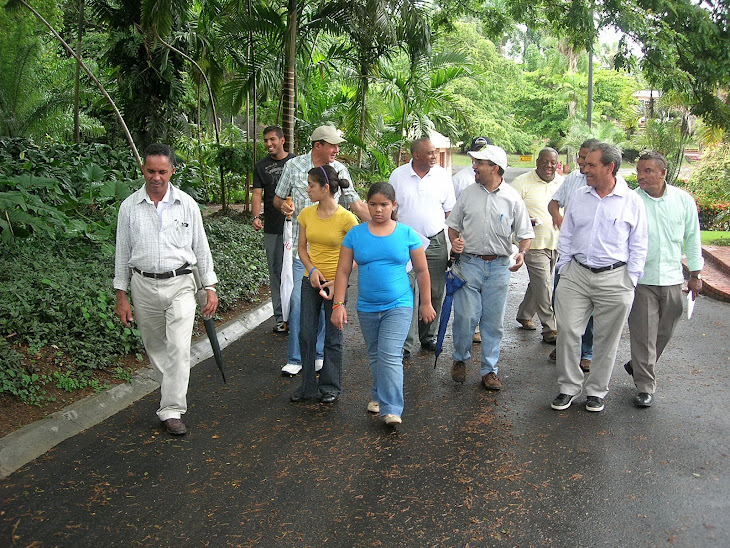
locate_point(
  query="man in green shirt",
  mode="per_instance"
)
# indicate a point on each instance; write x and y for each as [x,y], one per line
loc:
[674,229]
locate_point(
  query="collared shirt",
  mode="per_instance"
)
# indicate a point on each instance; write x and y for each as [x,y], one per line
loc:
[293,182]
[487,220]
[673,226]
[571,183]
[599,232]
[537,194]
[462,179]
[151,245]
[423,202]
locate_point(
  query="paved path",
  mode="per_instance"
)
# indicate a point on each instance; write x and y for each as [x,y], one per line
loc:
[466,468]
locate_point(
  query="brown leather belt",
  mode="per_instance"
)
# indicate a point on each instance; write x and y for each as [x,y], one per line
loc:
[486,257]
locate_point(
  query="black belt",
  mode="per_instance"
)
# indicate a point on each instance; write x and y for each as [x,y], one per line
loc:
[165,275]
[614,266]
[437,234]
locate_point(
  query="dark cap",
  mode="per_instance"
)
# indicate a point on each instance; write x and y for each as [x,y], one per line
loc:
[478,143]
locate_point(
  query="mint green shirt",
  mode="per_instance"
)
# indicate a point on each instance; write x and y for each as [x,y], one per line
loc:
[674,229]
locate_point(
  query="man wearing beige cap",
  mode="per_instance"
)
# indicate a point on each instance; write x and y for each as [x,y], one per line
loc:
[481,226]
[293,182]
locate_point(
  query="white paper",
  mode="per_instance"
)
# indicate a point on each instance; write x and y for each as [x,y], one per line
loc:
[690,305]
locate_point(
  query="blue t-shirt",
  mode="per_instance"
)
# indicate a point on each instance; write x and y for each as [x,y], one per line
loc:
[382,261]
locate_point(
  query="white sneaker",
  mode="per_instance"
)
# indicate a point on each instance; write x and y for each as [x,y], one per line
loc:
[318,364]
[392,419]
[291,370]
[373,407]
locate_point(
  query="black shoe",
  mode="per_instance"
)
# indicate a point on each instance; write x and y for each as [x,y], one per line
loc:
[281,327]
[594,403]
[429,345]
[294,398]
[629,368]
[643,399]
[329,398]
[563,401]
[406,354]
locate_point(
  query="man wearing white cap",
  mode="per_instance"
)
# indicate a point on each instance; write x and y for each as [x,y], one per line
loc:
[481,227]
[465,176]
[293,182]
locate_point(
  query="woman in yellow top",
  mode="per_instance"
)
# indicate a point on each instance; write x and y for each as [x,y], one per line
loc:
[322,227]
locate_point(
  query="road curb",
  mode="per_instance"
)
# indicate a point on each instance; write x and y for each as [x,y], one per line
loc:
[33,440]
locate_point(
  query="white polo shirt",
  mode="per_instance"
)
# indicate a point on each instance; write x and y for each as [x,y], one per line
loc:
[423,202]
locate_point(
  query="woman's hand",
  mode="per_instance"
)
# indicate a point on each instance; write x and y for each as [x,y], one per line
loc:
[327,290]
[339,316]
[316,278]
[426,313]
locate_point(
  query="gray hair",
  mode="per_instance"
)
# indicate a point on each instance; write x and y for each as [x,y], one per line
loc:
[609,154]
[654,155]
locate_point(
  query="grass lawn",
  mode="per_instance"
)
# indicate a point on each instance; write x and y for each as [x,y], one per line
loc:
[715,237]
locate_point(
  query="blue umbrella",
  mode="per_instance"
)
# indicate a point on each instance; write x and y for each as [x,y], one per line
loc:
[453,283]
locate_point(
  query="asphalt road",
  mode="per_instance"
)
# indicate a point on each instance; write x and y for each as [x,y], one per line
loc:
[466,467]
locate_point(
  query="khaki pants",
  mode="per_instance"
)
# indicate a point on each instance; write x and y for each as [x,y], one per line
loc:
[654,315]
[165,311]
[539,295]
[608,296]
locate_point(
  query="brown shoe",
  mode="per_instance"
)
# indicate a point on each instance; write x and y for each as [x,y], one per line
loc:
[553,355]
[477,338]
[585,365]
[458,371]
[491,382]
[550,337]
[527,324]
[175,427]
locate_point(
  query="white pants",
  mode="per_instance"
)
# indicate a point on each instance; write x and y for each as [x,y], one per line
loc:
[165,312]
[608,296]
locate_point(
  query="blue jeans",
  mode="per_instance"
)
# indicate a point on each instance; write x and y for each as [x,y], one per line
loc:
[586,344]
[384,333]
[481,300]
[330,377]
[295,353]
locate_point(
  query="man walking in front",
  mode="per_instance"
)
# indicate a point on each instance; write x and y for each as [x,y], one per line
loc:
[160,236]
[481,227]
[266,174]
[674,229]
[293,182]
[602,247]
[425,197]
[537,188]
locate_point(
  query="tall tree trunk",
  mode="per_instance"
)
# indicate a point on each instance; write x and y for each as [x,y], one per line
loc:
[77,83]
[290,66]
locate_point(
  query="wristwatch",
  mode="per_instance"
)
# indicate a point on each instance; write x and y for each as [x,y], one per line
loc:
[697,276]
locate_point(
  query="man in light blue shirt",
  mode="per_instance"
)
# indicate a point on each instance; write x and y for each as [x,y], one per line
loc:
[602,247]
[674,228]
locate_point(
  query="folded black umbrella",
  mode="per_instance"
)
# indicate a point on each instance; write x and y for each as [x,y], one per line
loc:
[202,297]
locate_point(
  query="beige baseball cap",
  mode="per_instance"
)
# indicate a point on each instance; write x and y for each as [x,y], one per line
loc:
[493,154]
[327,133]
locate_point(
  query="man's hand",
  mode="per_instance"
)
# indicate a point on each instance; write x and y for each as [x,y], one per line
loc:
[519,261]
[211,306]
[124,310]
[457,245]
[257,224]
[695,286]
[286,208]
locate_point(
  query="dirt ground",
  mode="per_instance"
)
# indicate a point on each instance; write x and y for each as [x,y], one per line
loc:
[15,414]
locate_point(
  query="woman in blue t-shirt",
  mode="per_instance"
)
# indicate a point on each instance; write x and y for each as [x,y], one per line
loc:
[382,247]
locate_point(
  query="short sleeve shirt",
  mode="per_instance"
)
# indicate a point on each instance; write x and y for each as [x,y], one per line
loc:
[324,237]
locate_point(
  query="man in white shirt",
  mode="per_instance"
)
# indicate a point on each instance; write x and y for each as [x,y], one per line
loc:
[602,247]
[425,197]
[159,236]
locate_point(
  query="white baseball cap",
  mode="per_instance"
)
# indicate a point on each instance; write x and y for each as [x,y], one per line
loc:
[327,133]
[492,153]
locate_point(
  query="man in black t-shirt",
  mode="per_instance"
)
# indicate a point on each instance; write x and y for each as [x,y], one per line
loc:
[266,175]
